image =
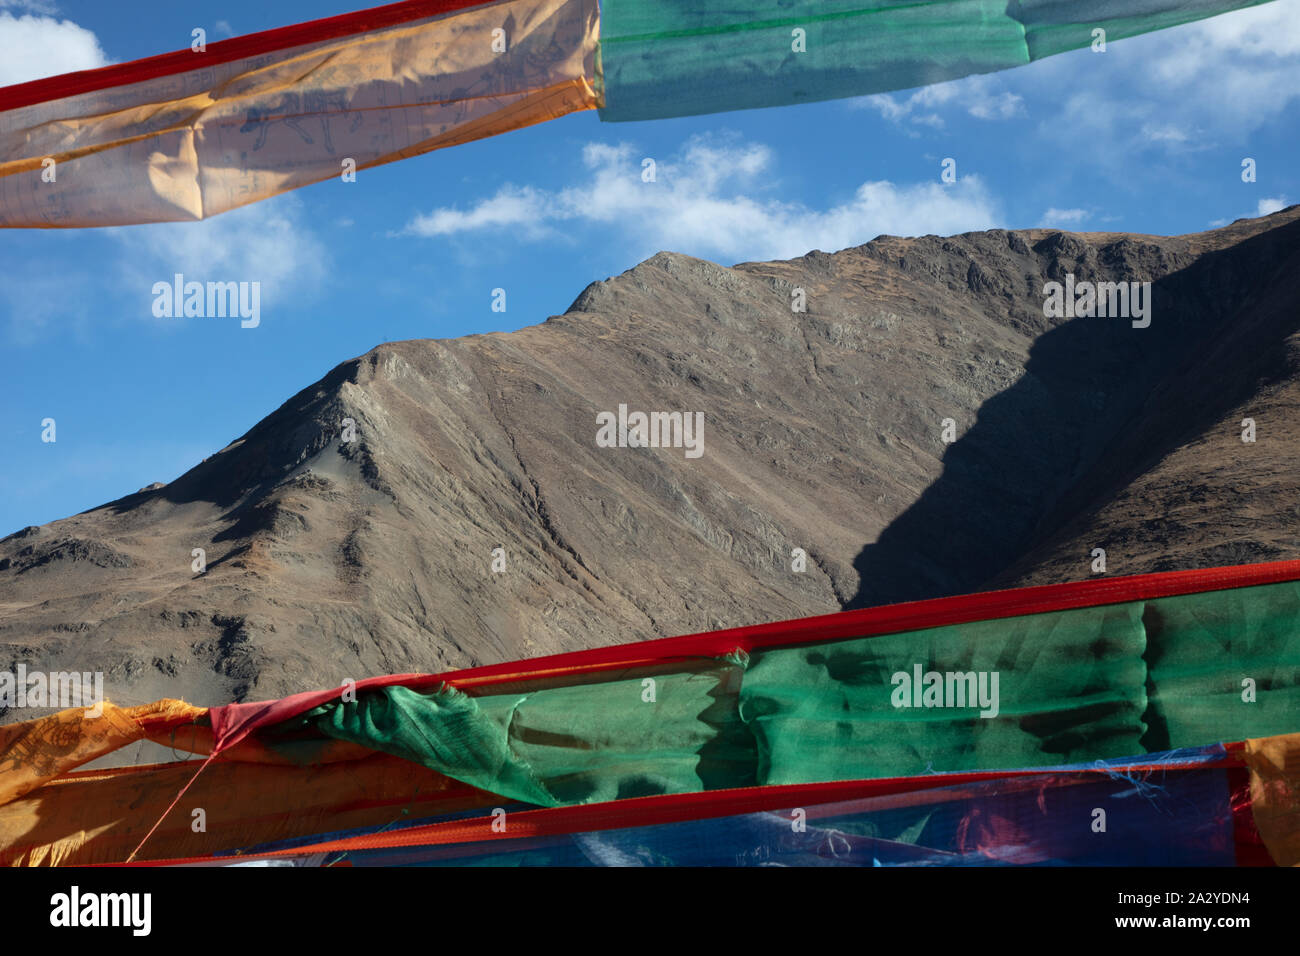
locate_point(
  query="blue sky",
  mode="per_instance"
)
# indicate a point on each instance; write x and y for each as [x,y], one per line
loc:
[1146,137]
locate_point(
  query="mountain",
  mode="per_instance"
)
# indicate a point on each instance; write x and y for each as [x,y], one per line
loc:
[823,430]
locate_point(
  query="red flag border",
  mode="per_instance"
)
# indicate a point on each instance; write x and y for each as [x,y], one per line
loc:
[226,51]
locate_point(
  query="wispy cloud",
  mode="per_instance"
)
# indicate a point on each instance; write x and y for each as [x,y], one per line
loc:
[266,242]
[30,6]
[1179,90]
[516,207]
[40,46]
[717,197]
[41,295]
[1064,217]
[983,97]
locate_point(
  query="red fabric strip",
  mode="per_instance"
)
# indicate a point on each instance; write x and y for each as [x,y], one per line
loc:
[232,723]
[224,51]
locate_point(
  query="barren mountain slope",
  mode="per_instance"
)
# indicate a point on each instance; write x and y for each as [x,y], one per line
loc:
[330,559]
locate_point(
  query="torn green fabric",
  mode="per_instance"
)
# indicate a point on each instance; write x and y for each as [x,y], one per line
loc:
[1071,686]
[445,730]
[582,743]
[663,58]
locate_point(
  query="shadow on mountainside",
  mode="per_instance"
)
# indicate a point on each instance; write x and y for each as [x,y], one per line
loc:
[1098,404]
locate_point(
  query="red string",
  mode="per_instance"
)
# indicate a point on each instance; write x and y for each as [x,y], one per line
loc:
[170,807]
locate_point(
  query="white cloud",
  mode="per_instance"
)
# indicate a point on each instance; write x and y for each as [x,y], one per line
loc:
[980,96]
[716,199]
[40,46]
[1187,88]
[31,6]
[521,207]
[1001,106]
[266,242]
[1183,89]
[1165,133]
[1063,217]
[48,294]
[1267,207]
